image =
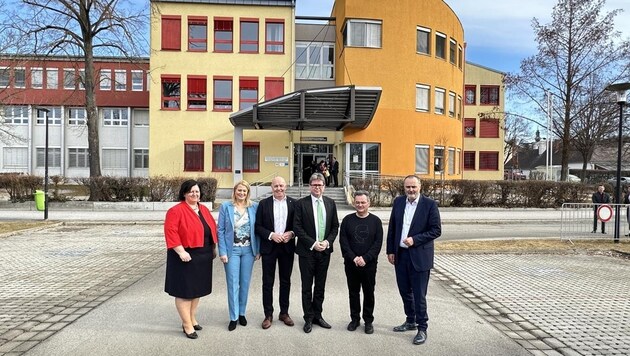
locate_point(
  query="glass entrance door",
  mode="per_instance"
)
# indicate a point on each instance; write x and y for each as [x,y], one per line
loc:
[306,158]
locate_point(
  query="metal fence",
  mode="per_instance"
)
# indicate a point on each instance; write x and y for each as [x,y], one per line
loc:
[577,221]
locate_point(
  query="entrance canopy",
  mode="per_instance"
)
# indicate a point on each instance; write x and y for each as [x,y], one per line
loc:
[334,108]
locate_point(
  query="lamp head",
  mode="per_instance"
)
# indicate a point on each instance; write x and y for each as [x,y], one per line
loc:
[621,90]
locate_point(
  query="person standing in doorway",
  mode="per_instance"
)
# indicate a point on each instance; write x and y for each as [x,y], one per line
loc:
[334,171]
[599,197]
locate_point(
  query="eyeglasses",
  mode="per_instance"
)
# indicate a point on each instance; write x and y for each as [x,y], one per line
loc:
[317,185]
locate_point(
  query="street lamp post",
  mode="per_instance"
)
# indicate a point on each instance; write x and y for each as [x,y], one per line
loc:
[46,111]
[621,89]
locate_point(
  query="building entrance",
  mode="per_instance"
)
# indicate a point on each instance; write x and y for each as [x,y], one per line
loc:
[306,157]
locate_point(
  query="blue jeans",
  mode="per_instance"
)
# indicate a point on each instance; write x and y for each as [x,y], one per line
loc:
[238,273]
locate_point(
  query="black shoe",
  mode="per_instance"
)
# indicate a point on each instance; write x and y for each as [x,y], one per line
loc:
[192,335]
[594,231]
[369,329]
[354,324]
[405,327]
[603,232]
[321,322]
[197,327]
[232,325]
[420,337]
[242,320]
[308,327]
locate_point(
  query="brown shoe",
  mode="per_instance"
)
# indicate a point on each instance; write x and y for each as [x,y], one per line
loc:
[286,319]
[266,324]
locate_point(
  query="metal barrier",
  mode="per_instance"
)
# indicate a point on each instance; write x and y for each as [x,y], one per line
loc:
[576,221]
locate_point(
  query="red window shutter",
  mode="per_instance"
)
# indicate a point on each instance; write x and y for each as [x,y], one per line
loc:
[197,85]
[469,160]
[489,128]
[274,87]
[248,84]
[171,33]
[223,25]
[489,161]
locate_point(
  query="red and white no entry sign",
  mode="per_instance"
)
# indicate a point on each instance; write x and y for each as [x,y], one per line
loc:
[604,213]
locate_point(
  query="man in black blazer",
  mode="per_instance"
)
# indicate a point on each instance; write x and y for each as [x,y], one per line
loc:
[316,226]
[274,227]
[413,225]
[599,198]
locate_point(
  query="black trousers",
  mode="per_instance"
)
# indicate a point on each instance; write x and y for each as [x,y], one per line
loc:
[412,286]
[595,222]
[313,271]
[284,261]
[361,278]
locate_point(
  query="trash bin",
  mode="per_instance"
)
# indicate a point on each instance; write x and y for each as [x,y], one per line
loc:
[39,200]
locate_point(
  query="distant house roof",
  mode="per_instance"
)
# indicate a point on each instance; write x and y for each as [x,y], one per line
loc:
[529,158]
[605,156]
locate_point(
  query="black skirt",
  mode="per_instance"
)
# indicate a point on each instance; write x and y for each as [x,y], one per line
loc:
[193,279]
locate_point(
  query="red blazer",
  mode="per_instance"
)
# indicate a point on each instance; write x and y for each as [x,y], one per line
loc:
[182,226]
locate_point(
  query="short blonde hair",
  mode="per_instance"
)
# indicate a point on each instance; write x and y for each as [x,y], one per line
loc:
[244,183]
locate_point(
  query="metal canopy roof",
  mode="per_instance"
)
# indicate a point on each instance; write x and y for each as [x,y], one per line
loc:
[334,108]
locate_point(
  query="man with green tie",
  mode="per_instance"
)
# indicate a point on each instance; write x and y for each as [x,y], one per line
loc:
[316,225]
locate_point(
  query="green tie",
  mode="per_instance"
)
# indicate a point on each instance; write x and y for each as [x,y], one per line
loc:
[321,224]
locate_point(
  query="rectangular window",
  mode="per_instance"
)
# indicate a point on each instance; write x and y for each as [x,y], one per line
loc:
[452,51]
[438,158]
[140,158]
[249,36]
[54,116]
[120,80]
[489,95]
[15,157]
[372,153]
[422,159]
[315,61]
[81,79]
[451,104]
[37,78]
[222,94]
[115,117]
[440,45]
[423,40]
[221,156]
[19,78]
[197,92]
[140,118]
[460,109]
[451,161]
[14,114]
[470,93]
[78,158]
[193,156]
[422,97]
[489,161]
[197,34]
[274,36]
[223,34]
[251,157]
[460,56]
[274,87]
[54,157]
[469,127]
[439,101]
[248,92]
[171,92]
[5,77]
[489,128]
[114,158]
[458,169]
[171,33]
[69,79]
[105,79]
[137,80]
[469,160]
[52,78]
[362,33]
[77,116]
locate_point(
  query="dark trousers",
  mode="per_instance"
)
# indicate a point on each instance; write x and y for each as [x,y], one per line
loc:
[284,261]
[361,277]
[412,286]
[595,222]
[313,271]
[335,178]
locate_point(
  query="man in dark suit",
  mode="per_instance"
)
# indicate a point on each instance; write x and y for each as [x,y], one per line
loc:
[334,171]
[413,225]
[599,197]
[274,227]
[316,226]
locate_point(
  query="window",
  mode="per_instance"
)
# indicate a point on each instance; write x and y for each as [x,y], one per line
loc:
[440,45]
[5,77]
[69,79]
[459,107]
[470,93]
[460,56]
[489,95]
[222,94]
[81,79]
[423,40]
[19,78]
[469,160]
[222,156]
[248,92]
[54,116]
[171,91]
[223,34]
[15,157]
[52,78]
[193,156]
[469,127]
[315,61]
[197,34]
[274,87]
[140,118]
[439,101]
[114,158]
[251,157]
[362,33]
[422,159]
[54,157]
[197,92]
[488,128]
[137,80]
[451,104]
[489,161]
[458,169]
[77,116]
[140,158]
[37,78]
[422,97]
[171,33]
[115,117]
[106,79]
[120,80]
[364,157]
[78,158]
[15,114]
[451,161]
[274,36]
[452,51]
[438,158]
[249,36]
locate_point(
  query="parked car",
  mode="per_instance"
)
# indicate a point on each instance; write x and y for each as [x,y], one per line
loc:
[624,181]
[514,175]
[573,178]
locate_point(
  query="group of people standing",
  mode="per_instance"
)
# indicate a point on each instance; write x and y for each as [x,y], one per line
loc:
[279,228]
[328,169]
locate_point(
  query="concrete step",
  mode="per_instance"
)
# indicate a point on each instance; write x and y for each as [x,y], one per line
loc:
[337,194]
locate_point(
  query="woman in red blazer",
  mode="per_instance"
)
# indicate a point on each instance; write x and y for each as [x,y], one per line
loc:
[191,238]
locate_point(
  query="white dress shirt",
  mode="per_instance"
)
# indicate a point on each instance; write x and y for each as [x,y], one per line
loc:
[410,210]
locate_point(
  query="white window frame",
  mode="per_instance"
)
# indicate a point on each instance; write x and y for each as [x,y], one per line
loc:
[458,168]
[371,33]
[52,78]
[5,77]
[37,80]
[9,114]
[425,90]
[422,159]
[140,123]
[15,157]
[78,155]
[109,118]
[445,50]
[119,161]
[451,160]
[460,108]
[451,59]
[77,120]
[69,73]
[306,71]
[54,157]
[143,155]
[440,157]
[137,78]
[54,115]
[105,79]
[439,101]
[120,80]
[451,104]
[427,33]
[21,85]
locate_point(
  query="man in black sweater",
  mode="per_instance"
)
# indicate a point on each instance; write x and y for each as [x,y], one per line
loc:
[361,238]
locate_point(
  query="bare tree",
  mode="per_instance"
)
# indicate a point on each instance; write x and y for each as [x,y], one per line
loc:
[579,42]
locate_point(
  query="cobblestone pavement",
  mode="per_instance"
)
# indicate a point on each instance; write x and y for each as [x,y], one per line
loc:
[52,277]
[549,304]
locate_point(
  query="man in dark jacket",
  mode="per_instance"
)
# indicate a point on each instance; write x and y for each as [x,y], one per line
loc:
[599,197]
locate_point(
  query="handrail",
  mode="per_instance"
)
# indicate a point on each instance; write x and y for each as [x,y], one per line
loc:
[263,181]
